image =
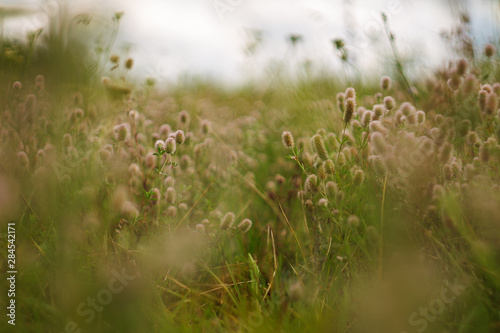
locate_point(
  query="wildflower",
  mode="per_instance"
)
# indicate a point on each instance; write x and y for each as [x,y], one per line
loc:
[122,132]
[491,104]
[184,117]
[227,221]
[23,159]
[385,83]
[482,95]
[205,126]
[406,108]
[311,184]
[114,58]
[469,84]
[170,195]
[448,172]
[200,228]
[389,102]
[170,146]
[461,67]
[358,177]
[67,140]
[350,93]
[160,145]
[378,111]
[321,172]
[329,166]
[129,63]
[331,189]
[446,152]
[17,85]
[489,50]
[171,211]
[350,105]
[319,146]
[420,117]
[367,118]
[287,139]
[341,159]
[180,137]
[323,202]
[473,139]
[340,101]
[245,225]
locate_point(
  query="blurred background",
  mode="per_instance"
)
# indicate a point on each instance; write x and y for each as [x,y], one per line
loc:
[233,41]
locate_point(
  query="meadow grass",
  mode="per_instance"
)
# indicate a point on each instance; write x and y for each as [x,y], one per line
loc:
[311,206]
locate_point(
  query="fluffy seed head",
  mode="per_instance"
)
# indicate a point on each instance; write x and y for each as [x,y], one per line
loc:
[122,132]
[311,184]
[287,139]
[350,106]
[462,67]
[389,102]
[17,85]
[406,108]
[481,97]
[319,146]
[340,101]
[473,139]
[420,117]
[358,178]
[367,118]
[491,105]
[446,152]
[23,159]
[180,137]
[227,221]
[350,93]
[184,117]
[323,202]
[385,83]
[329,166]
[321,172]
[170,195]
[378,111]
[489,50]
[129,63]
[170,146]
[331,189]
[245,225]
[341,159]
[469,84]
[160,144]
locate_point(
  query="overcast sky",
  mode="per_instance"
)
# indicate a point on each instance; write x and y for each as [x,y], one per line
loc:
[208,37]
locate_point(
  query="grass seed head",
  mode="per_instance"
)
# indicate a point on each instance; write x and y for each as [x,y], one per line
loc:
[170,145]
[319,147]
[385,83]
[287,139]
[227,221]
[245,225]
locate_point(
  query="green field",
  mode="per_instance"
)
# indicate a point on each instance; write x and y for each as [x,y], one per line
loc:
[327,204]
